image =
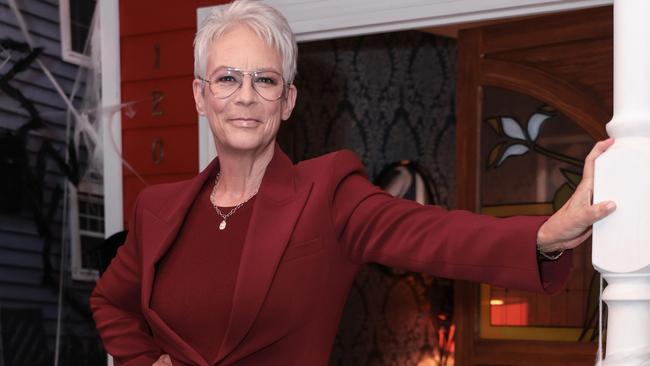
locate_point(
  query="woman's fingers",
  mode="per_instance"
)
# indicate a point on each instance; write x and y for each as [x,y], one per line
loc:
[596,151]
[601,210]
[571,224]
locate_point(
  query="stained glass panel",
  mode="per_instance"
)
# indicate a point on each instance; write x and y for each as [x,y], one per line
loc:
[532,161]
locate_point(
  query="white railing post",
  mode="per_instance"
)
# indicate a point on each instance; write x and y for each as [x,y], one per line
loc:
[621,242]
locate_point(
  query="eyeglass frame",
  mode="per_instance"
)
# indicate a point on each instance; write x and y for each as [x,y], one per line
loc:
[251,74]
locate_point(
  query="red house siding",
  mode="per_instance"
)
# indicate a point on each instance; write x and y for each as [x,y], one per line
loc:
[161,140]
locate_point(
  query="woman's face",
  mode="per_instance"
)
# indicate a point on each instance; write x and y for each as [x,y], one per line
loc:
[244,121]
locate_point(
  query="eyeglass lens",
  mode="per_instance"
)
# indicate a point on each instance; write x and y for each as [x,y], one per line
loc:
[268,84]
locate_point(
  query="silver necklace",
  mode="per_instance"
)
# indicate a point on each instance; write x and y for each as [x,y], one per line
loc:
[213,200]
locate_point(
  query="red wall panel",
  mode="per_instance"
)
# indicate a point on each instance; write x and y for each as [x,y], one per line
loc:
[147,16]
[159,102]
[156,55]
[163,150]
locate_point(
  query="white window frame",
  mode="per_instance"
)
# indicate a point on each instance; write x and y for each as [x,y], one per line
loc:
[67,53]
[78,272]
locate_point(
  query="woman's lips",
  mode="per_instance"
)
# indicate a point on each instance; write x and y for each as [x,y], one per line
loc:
[244,122]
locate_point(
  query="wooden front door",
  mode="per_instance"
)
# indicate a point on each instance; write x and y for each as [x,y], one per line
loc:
[543,84]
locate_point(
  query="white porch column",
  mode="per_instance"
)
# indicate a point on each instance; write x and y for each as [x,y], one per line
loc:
[621,243]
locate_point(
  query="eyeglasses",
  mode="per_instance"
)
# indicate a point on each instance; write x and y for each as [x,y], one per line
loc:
[270,85]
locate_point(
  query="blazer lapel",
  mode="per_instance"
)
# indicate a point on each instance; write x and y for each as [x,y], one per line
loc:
[278,205]
[159,230]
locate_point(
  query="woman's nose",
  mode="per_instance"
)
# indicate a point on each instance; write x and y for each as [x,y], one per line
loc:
[247,92]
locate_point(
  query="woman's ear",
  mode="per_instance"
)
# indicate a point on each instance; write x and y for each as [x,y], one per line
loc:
[199,94]
[289,102]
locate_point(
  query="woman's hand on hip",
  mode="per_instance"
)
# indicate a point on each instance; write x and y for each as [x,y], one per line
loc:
[163,360]
[571,224]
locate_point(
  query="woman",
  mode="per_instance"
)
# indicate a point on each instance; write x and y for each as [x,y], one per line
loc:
[250,262]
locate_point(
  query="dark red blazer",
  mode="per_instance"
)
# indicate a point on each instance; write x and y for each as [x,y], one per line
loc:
[313,224]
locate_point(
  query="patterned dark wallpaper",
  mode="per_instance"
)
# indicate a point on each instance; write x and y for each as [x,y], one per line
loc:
[387,97]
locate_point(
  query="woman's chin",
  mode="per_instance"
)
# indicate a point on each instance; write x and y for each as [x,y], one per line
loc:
[244,144]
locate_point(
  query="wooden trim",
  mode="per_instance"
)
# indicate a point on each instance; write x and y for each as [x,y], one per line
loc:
[468,121]
[468,131]
[584,108]
[499,37]
[533,353]
[466,296]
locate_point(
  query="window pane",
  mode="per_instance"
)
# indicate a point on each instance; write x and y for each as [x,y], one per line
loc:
[532,160]
[81,14]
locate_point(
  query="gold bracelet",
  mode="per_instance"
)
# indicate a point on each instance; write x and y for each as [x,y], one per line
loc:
[549,257]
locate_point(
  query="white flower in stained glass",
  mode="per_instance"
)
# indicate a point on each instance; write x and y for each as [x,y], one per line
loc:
[512,129]
[535,124]
[512,150]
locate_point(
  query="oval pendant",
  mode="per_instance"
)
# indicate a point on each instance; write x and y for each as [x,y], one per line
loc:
[222,225]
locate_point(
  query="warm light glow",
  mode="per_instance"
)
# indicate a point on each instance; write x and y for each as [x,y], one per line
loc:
[427,361]
[509,313]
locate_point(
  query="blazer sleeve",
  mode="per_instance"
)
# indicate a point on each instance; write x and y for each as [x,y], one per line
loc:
[373,226]
[115,303]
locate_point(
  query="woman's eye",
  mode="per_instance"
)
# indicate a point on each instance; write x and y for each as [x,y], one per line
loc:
[269,81]
[226,79]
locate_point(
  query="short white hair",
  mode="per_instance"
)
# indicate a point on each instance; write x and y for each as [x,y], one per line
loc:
[268,23]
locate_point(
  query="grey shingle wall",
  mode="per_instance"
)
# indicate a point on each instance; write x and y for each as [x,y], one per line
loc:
[24,253]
